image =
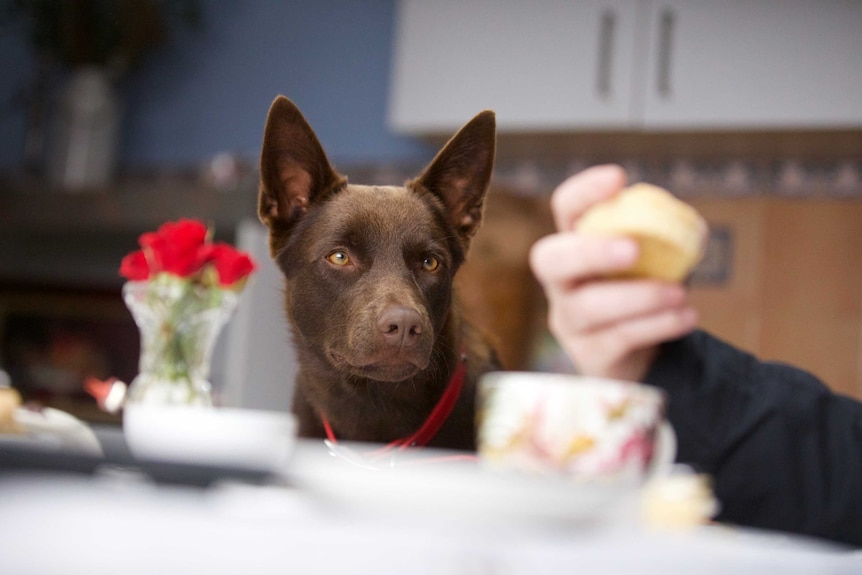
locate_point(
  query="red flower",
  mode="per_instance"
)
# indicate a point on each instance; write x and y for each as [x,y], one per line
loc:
[134,266]
[181,249]
[231,264]
[109,393]
[176,247]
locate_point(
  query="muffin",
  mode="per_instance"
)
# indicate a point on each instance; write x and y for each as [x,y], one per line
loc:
[682,499]
[671,234]
[10,401]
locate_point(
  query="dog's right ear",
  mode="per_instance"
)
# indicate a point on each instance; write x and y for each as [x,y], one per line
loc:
[294,171]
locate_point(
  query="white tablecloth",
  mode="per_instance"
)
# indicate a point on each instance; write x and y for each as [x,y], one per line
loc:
[115,523]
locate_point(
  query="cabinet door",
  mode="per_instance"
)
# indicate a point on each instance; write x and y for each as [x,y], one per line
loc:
[541,65]
[754,64]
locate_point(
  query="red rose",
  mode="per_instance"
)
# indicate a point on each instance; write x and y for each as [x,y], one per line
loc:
[134,266]
[181,248]
[176,247]
[231,264]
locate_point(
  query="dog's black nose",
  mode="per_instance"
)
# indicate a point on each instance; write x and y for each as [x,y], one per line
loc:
[400,326]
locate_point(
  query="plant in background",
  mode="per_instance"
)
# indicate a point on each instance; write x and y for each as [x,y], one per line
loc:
[115,34]
[81,49]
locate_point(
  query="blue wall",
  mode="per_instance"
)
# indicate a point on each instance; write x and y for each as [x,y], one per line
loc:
[209,90]
[15,71]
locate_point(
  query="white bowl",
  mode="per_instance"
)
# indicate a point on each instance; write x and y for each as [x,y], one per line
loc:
[227,437]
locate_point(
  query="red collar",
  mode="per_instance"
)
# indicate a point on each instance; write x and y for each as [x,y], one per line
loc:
[436,418]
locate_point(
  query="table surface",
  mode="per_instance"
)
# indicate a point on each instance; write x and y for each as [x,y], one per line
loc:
[116,518]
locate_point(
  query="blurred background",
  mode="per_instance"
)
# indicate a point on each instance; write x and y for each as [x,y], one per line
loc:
[116,116]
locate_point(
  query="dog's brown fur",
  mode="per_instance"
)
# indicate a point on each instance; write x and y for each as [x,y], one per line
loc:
[368,275]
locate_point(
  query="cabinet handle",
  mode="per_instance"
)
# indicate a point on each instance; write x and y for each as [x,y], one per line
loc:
[607,32]
[665,48]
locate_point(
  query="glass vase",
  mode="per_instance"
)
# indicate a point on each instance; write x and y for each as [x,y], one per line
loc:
[179,323]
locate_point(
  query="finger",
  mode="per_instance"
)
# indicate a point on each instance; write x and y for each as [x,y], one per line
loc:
[625,349]
[625,337]
[571,198]
[563,259]
[595,305]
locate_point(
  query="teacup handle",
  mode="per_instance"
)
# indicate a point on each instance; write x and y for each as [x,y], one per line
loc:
[665,452]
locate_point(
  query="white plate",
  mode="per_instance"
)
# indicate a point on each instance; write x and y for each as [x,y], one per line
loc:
[429,482]
[461,490]
[54,429]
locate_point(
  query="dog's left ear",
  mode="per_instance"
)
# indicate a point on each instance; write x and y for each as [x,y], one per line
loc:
[461,172]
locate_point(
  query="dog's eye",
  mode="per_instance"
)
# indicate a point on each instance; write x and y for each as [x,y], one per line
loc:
[430,264]
[338,258]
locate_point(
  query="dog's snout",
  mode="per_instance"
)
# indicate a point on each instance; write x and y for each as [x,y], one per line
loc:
[400,326]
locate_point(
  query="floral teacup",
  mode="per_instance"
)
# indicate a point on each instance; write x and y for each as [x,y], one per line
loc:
[580,428]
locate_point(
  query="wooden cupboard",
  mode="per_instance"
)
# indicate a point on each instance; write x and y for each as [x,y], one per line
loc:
[559,65]
[794,288]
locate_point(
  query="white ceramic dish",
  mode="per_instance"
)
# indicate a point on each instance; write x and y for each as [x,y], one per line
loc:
[228,437]
[428,483]
[51,428]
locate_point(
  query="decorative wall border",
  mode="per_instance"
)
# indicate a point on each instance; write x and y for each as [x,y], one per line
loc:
[687,178]
[697,178]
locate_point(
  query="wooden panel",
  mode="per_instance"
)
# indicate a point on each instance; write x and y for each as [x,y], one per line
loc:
[731,309]
[812,289]
[794,293]
[496,287]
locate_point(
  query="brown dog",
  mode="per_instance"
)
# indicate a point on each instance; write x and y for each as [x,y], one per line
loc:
[383,353]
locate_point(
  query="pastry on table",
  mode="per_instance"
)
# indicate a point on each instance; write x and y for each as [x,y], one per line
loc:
[10,401]
[680,500]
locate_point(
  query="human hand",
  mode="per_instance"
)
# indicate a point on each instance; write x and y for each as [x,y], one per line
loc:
[609,328]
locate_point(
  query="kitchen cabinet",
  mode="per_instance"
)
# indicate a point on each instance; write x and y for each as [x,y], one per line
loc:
[753,64]
[557,65]
[540,65]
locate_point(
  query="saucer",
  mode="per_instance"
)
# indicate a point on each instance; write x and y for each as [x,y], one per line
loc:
[448,486]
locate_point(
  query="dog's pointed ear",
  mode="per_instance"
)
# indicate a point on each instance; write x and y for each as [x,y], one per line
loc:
[294,170]
[461,172]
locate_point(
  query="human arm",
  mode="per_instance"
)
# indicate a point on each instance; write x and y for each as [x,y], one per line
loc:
[784,451]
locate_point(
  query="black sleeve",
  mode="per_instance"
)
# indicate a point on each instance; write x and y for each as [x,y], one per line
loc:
[784,452]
